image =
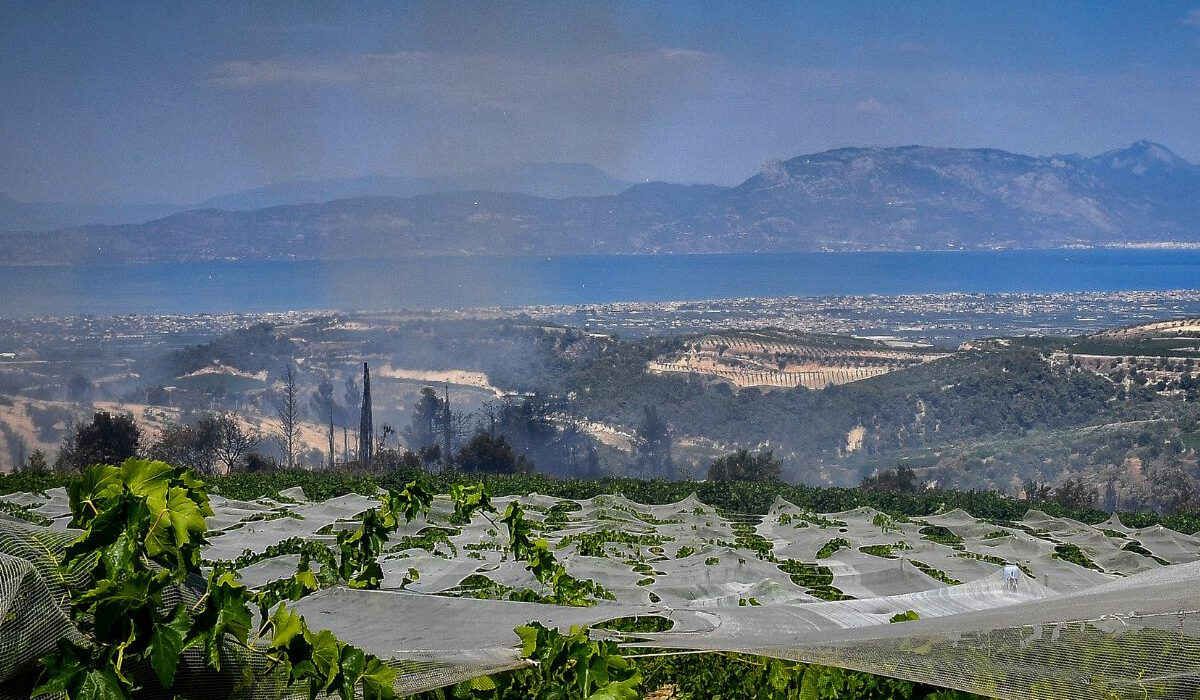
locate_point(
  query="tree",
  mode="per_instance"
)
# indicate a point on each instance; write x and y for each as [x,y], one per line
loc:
[188,445]
[1109,502]
[287,410]
[108,439]
[366,425]
[744,466]
[423,431]
[323,407]
[902,479]
[321,404]
[652,445]
[535,434]
[37,462]
[1075,494]
[78,388]
[18,446]
[385,431]
[232,443]
[434,424]
[257,463]
[488,453]
[351,400]
[1036,491]
[389,461]
[447,425]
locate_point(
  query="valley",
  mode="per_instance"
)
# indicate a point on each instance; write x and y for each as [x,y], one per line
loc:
[1044,389]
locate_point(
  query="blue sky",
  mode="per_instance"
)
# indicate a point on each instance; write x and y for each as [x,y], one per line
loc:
[178,102]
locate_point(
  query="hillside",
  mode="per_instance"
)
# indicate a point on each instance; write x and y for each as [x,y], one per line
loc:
[904,198]
[1119,412]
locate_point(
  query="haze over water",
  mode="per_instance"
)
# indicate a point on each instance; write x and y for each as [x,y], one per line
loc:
[454,282]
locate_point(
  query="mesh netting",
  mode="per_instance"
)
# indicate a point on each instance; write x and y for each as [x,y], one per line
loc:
[1041,608]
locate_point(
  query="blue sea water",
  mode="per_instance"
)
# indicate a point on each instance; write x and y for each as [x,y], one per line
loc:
[449,282]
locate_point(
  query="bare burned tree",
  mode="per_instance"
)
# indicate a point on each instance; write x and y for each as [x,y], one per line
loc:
[287,410]
[233,443]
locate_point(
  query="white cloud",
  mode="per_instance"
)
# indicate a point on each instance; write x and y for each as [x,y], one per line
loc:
[871,105]
[683,53]
[1192,18]
[247,74]
[487,81]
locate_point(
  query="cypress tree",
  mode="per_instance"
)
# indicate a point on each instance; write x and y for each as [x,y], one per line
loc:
[366,426]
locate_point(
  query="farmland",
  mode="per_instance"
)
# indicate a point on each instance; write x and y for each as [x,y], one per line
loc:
[784,361]
[820,579]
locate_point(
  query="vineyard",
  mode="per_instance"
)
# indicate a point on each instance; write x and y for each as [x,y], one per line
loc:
[746,360]
[432,586]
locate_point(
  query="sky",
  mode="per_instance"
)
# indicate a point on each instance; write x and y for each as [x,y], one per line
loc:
[165,102]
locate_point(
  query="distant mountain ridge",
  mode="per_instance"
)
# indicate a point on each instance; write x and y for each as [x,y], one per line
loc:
[550,180]
[16,215]
[901,198]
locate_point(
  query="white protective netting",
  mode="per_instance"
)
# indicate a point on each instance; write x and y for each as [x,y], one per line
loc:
[1099,611]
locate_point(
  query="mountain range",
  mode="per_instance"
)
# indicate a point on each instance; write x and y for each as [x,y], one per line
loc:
[16,215]
[551,180]
[900,198]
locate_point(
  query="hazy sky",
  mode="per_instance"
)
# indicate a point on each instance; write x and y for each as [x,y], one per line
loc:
[176,102]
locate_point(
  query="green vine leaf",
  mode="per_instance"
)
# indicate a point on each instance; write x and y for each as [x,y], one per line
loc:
[177,526]
[326,656]
[144,525]
[167,642]
[378,680]
[529,639]
[100,684]
[73,673]
[146,478]
[628,689]
[225,612]
[411,501]
[469,500]
[286,625]
[92,492]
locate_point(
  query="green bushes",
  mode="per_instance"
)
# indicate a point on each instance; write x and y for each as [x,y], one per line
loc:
[591,544]
[885,551]
[736,497]
[817,580]
[940,535]
[936,574]
[705,676]
[1137,548]
[832,546]
[1075,555]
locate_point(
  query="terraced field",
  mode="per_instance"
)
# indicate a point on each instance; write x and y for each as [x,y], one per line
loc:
[766,361]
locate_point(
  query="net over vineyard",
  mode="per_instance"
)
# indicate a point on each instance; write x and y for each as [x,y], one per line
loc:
[1040,608]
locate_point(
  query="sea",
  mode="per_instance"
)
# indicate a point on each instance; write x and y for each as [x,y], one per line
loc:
[473,282]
